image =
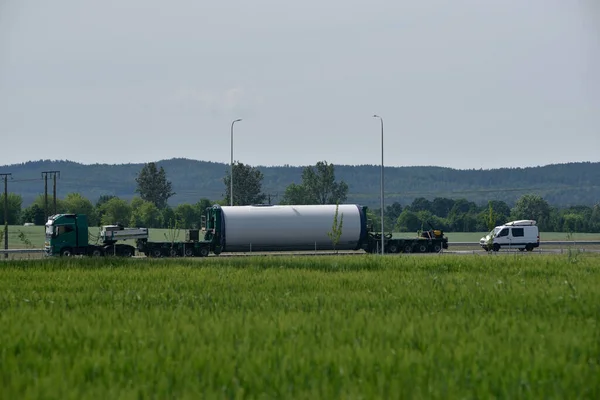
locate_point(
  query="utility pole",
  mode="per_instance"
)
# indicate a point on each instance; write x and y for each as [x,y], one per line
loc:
[5,176]
[45,175]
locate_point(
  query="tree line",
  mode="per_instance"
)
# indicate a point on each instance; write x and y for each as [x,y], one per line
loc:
[149,208]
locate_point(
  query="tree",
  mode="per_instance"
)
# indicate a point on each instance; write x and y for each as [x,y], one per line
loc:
[441,206]
[153,186]
[115,211]
[336,229]
[392,212]
[103,199]
[187,216]
[144,214]
[408,221]
[77,204]
[318,187]
[14,208]
[33,213]
[247,185]
[60,207]
[421,204]
[202,205]
[534,207]
[296,194]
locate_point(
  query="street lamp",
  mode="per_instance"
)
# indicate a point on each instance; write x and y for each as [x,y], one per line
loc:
[231,164]
[382,231]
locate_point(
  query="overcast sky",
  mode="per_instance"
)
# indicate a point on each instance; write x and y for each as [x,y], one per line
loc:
[462,84]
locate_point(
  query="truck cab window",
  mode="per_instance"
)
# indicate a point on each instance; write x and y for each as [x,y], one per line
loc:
[62,229]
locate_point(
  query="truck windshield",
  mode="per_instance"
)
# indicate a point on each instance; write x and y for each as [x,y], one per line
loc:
[49,231]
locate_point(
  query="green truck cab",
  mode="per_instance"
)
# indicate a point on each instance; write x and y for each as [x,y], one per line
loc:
[68,235]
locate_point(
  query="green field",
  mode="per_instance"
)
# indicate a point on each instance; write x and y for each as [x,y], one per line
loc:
[35,235]
[435,327]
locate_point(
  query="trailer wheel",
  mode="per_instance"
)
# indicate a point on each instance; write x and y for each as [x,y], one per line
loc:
[173,253]
[437,248]
[127,252]
[422,248]
[156,253]
[393,248]
[204,252]
[97,253]
[408,248]
[189,252]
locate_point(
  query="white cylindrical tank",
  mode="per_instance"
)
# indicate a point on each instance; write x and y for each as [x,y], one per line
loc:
[301,227]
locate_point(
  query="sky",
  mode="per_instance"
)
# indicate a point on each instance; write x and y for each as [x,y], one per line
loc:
[461,84]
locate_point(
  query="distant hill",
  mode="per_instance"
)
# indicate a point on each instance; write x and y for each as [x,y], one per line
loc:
[560,184]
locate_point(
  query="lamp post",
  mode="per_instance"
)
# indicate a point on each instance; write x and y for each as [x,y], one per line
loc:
[382,231]
[231,165]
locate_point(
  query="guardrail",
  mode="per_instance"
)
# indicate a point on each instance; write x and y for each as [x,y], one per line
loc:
[13,251]
[543,243]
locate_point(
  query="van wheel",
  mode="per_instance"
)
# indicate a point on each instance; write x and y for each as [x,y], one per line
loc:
[496,247]
[529,247]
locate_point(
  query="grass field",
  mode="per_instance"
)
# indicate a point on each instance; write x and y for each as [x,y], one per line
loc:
[35,235]
[314,327]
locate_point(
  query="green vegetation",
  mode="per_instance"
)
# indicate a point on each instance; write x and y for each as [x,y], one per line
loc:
[313,327]
[247,185]
[561,185]
[318,187]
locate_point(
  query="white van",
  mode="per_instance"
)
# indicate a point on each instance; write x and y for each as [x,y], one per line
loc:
[522,235]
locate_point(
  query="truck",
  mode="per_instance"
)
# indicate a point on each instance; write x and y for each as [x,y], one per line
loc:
[69,235]
[254,228]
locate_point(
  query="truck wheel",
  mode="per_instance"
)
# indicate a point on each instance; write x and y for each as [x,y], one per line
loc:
[496,247]
[204,252]
[97,253]
[189,252]
[408,248]
[66,252]
[422,248]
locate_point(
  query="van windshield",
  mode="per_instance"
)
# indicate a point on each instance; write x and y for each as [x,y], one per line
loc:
[495,231]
